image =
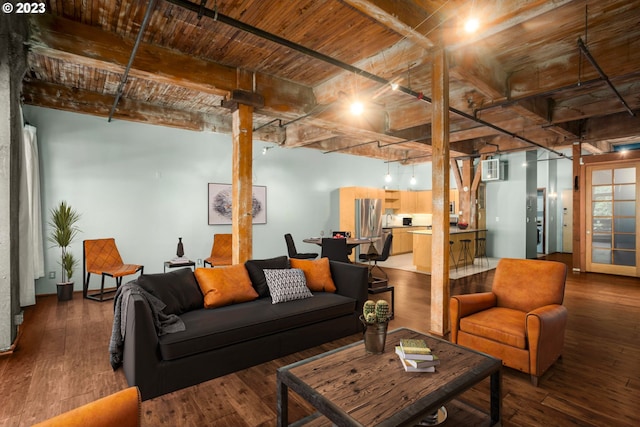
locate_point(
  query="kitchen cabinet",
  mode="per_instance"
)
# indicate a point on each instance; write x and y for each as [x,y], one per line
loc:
[408,202]
[423,202]
[415,202]
[392,200]
[403,239]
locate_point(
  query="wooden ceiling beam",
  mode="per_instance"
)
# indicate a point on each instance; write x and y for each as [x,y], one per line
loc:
[496,17]
[92,47]
[399,16]
[615,126]
[480,70]
[59,97]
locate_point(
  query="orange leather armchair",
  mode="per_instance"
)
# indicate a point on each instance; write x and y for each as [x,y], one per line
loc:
[221,253]
[121,409]
[521,321]
[101,256]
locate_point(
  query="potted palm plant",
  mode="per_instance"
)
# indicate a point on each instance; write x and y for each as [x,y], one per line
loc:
[64,230]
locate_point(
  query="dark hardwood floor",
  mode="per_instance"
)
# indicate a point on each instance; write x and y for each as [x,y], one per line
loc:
[61,362]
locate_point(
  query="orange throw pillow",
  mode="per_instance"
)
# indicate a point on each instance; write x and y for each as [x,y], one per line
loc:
[225,285]
[317,272]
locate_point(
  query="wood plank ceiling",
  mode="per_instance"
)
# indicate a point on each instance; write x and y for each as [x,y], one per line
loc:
[522,74]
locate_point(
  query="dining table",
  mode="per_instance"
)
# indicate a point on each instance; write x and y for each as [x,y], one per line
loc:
[352,242]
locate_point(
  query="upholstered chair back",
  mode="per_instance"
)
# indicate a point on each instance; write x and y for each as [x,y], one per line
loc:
[526,284]
[101,254]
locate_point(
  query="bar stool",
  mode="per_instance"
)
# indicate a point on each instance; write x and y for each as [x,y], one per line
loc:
[451,255]
[481,249]
[465,251]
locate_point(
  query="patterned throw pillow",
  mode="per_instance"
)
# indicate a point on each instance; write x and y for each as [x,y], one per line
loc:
[286,284]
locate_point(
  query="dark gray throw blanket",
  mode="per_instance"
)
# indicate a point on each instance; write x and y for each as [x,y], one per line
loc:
[164,323]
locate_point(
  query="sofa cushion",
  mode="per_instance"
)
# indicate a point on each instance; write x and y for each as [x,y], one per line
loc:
[317,273]
[225,285]
[207,330]
[504,325]
[286,284]
[255,267]
[178,289]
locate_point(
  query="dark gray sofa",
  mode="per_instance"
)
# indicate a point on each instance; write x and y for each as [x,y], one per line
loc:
[222,340]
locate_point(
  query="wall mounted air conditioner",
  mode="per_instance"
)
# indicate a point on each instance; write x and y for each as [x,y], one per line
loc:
[493,170]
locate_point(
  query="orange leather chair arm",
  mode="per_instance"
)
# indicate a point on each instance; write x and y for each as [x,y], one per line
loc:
[121,409]
[473,303]
[545,333]
[464,305]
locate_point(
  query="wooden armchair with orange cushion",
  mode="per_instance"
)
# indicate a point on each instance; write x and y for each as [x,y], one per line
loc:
[121,409]
[521,321]
[101,257]
[220,251]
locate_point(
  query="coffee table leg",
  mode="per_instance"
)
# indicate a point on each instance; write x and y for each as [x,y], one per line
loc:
[283,403]
[496,397]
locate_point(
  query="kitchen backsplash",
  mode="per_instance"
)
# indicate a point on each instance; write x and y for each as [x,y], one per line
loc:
[395,220]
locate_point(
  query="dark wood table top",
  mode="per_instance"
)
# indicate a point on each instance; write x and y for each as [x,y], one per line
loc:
[355,388]
[351,241]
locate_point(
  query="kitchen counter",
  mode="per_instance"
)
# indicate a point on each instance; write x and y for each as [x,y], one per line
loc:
[402,237]
[403,226]
[452,230]
[422,247]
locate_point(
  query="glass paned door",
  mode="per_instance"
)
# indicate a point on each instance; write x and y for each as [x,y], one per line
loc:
[612,218]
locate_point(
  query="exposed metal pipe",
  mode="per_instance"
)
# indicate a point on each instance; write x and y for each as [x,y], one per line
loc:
[347,67]
[591,59]
[123,80]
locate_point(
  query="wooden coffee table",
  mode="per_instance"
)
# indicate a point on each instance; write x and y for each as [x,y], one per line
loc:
[353,388]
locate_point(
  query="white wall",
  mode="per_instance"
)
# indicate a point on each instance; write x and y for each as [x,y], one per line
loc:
[506,208]
[147,185]
[507,204]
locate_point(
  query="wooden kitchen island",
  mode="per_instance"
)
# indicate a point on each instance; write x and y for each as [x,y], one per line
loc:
[422,247]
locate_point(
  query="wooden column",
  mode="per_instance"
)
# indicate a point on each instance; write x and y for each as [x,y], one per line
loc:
[463,179]
[241,203]
[440,191]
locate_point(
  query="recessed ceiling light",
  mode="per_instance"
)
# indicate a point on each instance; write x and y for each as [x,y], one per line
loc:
[472,25]
[394,86]
[357,108]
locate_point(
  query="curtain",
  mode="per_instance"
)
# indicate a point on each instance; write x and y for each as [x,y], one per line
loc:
[31,258]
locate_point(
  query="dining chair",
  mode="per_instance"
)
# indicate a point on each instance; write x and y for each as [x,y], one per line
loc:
[293,253]
[335,249]
[386,250]
[101,256]
[221,251]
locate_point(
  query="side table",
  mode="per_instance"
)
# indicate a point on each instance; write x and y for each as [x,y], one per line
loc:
[169,264]
[381,289]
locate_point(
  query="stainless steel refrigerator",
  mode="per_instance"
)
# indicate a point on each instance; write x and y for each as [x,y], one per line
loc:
[369,224]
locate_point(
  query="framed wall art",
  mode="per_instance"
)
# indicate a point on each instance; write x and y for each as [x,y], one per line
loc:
[219,207]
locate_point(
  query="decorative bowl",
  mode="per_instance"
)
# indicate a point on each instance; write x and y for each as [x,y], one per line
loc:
[462,226]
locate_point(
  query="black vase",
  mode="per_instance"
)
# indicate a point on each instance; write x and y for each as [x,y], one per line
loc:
[180,250]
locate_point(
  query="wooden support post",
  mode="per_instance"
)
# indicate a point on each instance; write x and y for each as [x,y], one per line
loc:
[241,202]
[440,187]
[463,180]
[467,197]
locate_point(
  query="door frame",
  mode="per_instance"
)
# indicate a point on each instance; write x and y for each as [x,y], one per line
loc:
[590,266]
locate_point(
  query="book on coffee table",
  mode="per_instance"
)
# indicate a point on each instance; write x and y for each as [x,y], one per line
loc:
[411,365]
[407,367]
[415,349]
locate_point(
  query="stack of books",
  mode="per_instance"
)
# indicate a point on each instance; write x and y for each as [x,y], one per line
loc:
[415,356]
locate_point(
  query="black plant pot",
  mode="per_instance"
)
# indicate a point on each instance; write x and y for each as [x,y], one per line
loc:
[65,291]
